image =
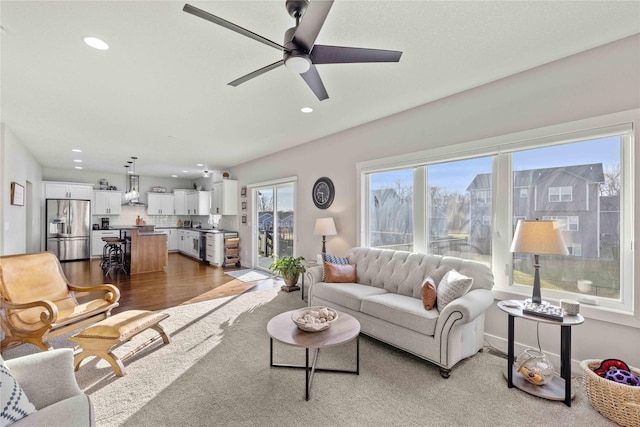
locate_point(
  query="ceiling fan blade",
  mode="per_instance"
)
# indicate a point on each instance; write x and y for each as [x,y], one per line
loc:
[311,23]
[231,26]
[256,73]
[344,55]
[315,83]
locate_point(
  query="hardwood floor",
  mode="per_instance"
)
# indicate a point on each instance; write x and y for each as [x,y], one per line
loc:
[184,281]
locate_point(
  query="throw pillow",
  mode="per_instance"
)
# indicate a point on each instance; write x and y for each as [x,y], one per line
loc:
[14,404]
[339,273]
[429,293]
[333,260]
[453,285]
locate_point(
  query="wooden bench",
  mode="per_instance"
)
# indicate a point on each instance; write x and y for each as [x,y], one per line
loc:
[100,339]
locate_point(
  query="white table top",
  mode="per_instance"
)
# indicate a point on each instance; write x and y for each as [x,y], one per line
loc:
[517,311]
[283,329]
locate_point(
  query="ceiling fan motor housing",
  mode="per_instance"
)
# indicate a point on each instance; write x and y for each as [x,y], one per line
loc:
[296,8]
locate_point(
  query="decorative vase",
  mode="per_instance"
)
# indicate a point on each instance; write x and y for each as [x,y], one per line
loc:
[535,367]
[291,281]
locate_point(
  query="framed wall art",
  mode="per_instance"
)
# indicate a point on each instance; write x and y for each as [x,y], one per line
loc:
[17,194]
[244,219]
[244,206]
[243,192]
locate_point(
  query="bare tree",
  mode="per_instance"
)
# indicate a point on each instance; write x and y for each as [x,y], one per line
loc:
[611,185]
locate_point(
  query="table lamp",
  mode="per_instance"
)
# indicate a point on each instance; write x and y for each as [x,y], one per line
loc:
[538,238]
[325,227]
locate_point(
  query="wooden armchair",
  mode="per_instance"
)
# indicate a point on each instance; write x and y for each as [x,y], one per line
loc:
[37,302]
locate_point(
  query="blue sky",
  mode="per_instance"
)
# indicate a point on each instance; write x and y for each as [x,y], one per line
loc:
[456,176]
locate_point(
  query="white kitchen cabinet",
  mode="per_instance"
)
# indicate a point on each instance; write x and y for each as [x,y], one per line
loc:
[189,243]
[172,237]
[107,202]
[67,190]
[180,201]
[160,204]
[97,244]
[215,248]
[224,199]
[198,203]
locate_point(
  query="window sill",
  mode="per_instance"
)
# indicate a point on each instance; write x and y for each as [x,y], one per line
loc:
[594,312]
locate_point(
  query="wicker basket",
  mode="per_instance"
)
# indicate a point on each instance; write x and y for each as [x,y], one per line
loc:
[618,402]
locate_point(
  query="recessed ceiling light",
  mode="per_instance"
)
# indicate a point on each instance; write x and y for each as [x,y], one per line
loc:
[77,160]
[199,165]
[95,43]
[185,171]
[306,109]
[174,176]
[78,167]
[76,150]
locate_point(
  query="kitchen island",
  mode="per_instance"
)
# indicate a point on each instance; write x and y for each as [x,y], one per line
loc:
[147,250]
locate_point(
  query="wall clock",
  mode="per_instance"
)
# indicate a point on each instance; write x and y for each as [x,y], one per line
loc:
[323,192]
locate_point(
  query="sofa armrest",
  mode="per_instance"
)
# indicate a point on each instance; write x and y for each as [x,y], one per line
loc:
[46,377]
[312,276]
[470,306]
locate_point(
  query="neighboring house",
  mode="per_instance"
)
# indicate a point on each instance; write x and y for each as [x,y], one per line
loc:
[265,221]
[569,195]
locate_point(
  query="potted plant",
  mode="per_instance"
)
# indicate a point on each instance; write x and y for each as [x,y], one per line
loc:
[289,268]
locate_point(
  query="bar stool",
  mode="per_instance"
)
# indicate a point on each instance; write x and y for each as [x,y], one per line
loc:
[113,255]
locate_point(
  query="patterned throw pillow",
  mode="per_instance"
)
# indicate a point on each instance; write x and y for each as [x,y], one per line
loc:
[453,285]
[429,293]
[14,404]
[333,260]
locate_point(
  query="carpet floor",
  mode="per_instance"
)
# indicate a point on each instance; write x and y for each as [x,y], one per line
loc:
[216,371]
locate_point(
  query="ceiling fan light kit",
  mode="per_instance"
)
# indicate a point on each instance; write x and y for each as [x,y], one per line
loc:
[300,54]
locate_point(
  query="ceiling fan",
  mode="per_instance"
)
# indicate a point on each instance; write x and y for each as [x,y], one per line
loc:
[300,53]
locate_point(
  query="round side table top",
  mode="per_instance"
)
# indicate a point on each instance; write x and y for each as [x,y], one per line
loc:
[517,311]
[282,328]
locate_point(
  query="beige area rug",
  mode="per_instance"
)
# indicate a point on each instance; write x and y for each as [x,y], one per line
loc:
[216,372]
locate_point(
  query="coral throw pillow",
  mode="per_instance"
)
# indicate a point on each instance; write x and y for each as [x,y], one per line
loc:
[339,273]
[429,293]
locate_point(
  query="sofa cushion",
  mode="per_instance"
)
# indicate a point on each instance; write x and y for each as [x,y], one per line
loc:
[401,310]
[453,285]
[348,295]
[429,293]
[14,403]
[333,260]
[71,412]
[339,273]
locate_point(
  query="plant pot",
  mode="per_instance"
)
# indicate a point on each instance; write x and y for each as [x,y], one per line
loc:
[291,281]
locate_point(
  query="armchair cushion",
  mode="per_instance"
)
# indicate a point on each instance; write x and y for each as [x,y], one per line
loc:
[14,403]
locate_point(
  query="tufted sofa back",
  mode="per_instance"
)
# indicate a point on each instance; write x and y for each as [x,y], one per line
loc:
[404,272]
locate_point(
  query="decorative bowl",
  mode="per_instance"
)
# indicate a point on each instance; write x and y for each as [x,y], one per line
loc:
[314,319]
[535,367]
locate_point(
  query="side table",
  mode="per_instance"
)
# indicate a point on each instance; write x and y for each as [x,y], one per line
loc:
[560,387]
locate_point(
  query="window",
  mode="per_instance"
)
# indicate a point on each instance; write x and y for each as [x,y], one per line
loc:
[566,223]
[456,201]
[560,194]
[390,222]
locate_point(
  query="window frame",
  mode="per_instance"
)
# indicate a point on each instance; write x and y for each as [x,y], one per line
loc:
[621,124]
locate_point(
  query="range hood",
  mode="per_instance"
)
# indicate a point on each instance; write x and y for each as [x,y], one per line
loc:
[133,187]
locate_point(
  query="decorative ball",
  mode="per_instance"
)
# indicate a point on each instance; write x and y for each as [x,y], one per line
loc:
[623,377]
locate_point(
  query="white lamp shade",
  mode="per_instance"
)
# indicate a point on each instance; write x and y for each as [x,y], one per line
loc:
[325,227]
[538,238]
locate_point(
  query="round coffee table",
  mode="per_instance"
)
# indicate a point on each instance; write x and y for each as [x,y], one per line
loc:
[343,330]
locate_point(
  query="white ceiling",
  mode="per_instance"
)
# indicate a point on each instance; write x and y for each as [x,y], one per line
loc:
[160,92]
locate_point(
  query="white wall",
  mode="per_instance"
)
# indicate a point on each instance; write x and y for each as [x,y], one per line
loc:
[590,84]
[19,165]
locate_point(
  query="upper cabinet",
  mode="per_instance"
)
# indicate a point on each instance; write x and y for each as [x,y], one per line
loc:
[107,202]
[198,203]
[160,204]
[67,190]
[225,197]
[180,201]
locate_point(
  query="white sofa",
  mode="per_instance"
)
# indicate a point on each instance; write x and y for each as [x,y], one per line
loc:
[387,302]
[48,380]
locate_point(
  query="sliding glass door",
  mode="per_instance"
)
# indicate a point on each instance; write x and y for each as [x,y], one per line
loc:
[274,224]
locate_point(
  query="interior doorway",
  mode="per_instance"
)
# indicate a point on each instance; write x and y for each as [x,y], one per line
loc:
[274,225]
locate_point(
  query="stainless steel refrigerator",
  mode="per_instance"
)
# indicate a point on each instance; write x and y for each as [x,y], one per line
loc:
[68,228]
